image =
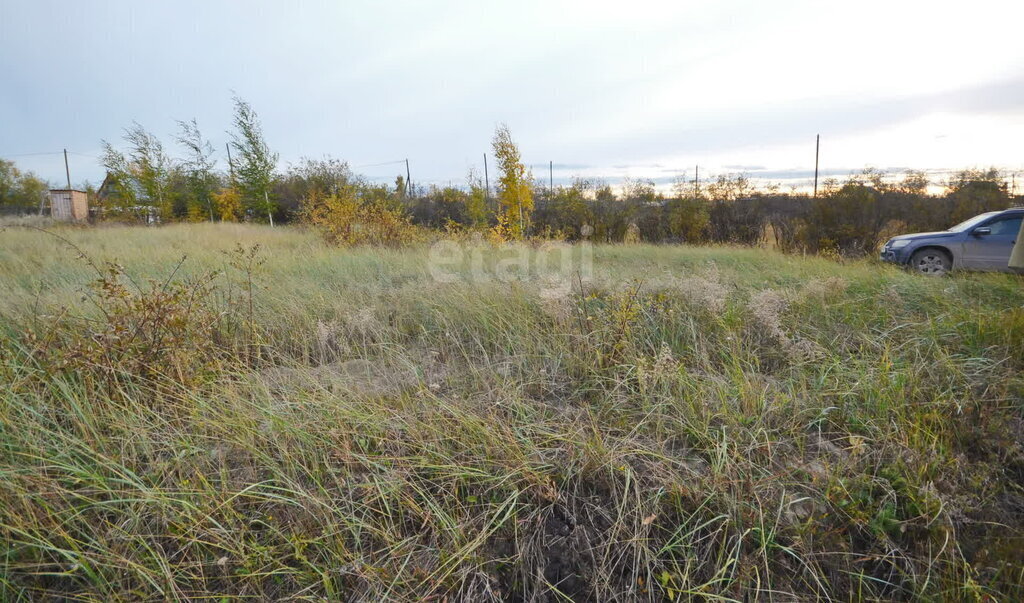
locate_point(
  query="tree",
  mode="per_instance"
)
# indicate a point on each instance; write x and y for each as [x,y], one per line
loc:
[976,191]
[688,218]
[347,217]
[682,187]
[256,163]
[477,211]
[311,177]
[142,176]
[228,203]
[638,189]
[914,183]
[873,177]
[603,192]
[729,187]
[122,196]
[400,187]
[154,170]
[201,182]
[847,221]
[514,194]
[567,211]
[20,192]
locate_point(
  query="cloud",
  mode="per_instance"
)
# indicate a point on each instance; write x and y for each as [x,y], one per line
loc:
[744,168]
[646,88]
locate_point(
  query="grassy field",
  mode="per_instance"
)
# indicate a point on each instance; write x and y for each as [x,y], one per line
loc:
[317,423]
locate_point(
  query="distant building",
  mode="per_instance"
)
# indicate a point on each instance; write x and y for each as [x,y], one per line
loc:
[115,202]
[69,205]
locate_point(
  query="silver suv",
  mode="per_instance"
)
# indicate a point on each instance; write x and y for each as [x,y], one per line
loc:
[982,243]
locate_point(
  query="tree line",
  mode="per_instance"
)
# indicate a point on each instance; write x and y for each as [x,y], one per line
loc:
[145,182]
[20,192]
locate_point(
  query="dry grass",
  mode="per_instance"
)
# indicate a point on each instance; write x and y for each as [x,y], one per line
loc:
[695,423]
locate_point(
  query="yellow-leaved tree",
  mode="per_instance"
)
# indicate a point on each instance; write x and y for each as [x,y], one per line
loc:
[514,192]
[350,216]
[228,204]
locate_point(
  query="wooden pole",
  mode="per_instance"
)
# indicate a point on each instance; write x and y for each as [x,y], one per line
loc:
[408,179]
[67,170]
[817,148]
[551,176]
[487,181]
[231,166]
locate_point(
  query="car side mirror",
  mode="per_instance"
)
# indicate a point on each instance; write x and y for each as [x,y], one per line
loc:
[980,232]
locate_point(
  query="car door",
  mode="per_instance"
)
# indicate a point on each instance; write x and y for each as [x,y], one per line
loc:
[988,246]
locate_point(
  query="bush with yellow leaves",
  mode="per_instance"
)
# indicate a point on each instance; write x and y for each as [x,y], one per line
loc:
[347,220]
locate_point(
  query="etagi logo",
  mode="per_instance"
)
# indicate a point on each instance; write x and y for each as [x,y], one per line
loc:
[481,262]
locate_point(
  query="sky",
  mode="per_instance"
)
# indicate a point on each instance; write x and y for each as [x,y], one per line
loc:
[607,90]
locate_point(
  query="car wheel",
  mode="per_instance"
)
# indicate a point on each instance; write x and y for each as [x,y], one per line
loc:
[931,262]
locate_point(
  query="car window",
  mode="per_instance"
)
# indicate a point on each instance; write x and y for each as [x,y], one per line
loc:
[968,224]
[1007,226]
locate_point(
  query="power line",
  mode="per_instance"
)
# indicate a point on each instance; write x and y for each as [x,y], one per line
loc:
[356,167]
[32,154]
[48,153]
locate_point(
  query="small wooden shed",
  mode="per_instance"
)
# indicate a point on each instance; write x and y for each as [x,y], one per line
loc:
[69,205]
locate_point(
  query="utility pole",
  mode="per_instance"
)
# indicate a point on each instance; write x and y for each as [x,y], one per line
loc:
[487,181]
[408,179]
[817,148]
[231,166]
[67,170]
[696,181]
[551,176]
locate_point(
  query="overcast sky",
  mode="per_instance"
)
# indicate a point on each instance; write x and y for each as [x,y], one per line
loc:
[644,89]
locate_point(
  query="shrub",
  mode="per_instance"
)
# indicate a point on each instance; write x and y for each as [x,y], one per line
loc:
[163,332]
[345,219]
[688,219]
[847,221]
[229,204]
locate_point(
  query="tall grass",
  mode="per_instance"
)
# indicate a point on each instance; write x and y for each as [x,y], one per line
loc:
[714,423]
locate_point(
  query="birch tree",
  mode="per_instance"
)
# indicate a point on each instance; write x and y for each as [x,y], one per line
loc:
[143,174]
[514,194]
[254,167]
[198,165]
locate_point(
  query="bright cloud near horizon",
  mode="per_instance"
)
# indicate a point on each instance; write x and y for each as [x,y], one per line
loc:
[602,89]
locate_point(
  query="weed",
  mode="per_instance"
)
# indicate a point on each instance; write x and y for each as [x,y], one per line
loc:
[361,432]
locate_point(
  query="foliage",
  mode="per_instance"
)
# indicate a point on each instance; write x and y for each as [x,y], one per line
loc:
[348,218]
[143,176]
[740,425]
[478,211]
[741,221]
[20,192]
[311,177]
[198,166]
[639,190]
[729,188]
[160,332]
[514,193]
[688,219]
[227,203]
[848,221]
[255,165]
[977,191]
[567,210]
[441,206]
